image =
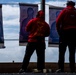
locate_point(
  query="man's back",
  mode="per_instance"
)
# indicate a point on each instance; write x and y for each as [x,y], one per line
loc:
[69,19]
[37,28]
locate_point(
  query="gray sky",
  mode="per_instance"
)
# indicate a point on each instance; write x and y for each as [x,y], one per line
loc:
[11,31]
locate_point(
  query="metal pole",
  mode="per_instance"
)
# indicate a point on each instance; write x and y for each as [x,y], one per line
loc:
[43,6]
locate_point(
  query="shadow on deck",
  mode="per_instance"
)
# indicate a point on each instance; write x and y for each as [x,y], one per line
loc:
[15,67]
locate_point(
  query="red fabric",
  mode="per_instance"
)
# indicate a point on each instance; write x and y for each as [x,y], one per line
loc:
[37,28]
[40,13]
[67,18]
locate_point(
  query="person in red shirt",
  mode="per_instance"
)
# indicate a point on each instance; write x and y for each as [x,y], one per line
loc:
[38,29]
[66,28]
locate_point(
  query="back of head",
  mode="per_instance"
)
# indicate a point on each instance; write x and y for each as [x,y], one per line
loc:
[70,3]
[40,14]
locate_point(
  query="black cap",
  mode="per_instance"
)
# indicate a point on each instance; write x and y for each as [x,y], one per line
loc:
[70,3]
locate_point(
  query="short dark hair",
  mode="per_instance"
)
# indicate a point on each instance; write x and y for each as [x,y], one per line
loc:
[70,3]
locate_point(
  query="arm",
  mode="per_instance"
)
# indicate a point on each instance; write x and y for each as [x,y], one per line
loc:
[47,30]
[29,26]
[59,20]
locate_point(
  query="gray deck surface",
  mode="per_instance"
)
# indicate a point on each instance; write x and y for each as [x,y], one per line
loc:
[38,74]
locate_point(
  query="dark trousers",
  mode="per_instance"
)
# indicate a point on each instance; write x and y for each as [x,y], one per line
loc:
[67,38]
[40,51]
